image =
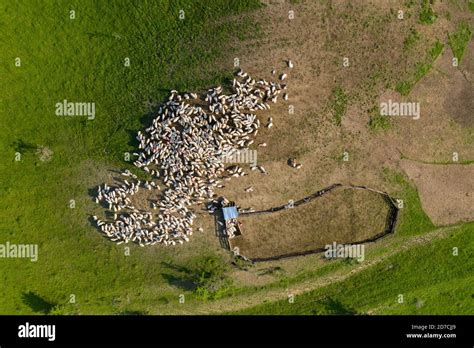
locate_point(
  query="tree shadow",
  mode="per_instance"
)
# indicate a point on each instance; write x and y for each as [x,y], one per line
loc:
[36,303]
[180,276]
[181,283]
[154,105]
[22,146]
[334,306]
[270,271]
[130,313]
[92,192]
[146,119]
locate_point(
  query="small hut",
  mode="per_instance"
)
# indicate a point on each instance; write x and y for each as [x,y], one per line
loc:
[232,225]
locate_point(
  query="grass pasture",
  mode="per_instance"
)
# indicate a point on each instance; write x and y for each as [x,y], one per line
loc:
[420,69]
[83,59]
[431,278]
[459,40]
[51,164]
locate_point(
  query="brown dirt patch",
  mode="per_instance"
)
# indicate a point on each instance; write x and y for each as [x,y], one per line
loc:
[446,191]
[341,216]
[371,36]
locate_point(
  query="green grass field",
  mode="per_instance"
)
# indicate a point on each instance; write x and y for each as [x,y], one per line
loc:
[421,69]
[83,59]
[338,105]
[431,279]
[46,56]
[459,40]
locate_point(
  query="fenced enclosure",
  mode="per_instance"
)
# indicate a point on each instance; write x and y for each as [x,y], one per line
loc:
[352,215]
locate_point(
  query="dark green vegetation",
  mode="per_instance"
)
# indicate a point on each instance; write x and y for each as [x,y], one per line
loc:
[338,105]
[427,287]
[378,122]
[421,69]
[427,15]
[82,59]
[459,40]
[204,275]
[411,39]
[471,5]
[413,219]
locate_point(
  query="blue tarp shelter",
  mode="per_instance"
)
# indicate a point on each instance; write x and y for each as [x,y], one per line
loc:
[230,213]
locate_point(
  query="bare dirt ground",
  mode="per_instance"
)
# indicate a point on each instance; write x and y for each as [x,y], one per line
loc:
[369,34]
[341,216]
[321,34]
[447,114]
[445,197]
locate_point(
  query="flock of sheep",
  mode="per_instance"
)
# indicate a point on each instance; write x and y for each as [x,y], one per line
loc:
[185,147]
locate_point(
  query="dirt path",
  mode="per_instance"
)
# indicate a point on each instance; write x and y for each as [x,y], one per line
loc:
[240,302]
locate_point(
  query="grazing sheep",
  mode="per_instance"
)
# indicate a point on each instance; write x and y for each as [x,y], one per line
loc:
[184,145]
